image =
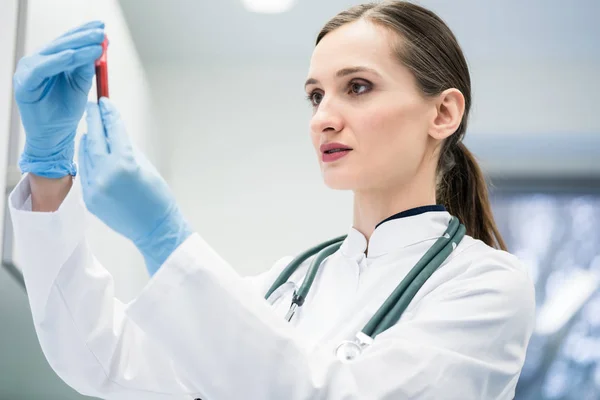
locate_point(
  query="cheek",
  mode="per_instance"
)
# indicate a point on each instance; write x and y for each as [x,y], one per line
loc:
[393,138]
[390,127]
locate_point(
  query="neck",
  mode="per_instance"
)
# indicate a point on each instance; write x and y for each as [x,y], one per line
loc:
[373,206]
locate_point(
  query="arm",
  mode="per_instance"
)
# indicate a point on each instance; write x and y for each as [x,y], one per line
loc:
[84,333]
[48,193]
[475,354]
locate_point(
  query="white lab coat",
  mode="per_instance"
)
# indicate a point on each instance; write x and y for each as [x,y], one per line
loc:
[198,329]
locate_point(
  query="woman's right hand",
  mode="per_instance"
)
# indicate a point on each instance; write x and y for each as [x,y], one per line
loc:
[51,90]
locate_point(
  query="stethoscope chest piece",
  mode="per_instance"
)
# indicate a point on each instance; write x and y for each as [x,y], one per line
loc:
[349,350]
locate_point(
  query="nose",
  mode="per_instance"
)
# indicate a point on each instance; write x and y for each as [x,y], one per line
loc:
[326,118]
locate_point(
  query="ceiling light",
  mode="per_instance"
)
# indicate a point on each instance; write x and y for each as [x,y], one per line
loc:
[268,6]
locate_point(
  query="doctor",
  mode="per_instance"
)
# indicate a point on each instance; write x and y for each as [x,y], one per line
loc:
[391,94]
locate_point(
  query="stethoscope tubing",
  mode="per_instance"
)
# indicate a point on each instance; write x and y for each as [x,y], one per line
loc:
[394,306]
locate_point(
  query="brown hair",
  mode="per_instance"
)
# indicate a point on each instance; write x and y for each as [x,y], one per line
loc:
[432,53]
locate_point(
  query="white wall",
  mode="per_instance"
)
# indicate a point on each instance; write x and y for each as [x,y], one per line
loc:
[14,311]
[242,166]
[535,97]
[243,169]
[8,32]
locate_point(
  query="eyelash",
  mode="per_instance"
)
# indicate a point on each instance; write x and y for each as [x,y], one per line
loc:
[361,82]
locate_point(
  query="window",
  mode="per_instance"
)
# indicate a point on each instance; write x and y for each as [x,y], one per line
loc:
[555,230]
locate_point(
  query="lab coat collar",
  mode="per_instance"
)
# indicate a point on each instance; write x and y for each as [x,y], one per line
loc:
[398,231]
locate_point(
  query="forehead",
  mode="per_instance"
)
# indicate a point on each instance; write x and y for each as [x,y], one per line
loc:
[359,43]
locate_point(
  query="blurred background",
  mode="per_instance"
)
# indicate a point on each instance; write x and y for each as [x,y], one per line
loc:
[212,92]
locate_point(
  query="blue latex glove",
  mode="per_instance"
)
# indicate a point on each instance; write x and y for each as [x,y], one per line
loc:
[123,189]
[51,90]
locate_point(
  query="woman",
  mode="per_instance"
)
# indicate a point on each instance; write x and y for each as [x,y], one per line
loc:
[391,95]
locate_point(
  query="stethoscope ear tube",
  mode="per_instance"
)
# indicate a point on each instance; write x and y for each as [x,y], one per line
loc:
[394,315]
[423,263]
[299,259]
[313,269]
[300,294]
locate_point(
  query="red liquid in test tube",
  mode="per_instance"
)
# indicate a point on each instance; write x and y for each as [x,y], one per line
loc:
[102,72]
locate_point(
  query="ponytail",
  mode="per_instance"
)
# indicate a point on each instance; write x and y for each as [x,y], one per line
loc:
[463,191]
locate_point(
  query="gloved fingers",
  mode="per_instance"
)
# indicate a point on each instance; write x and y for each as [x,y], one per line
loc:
[33,71]
[88,25]
[118,140]
[96,145]
[73,41]
[83,77]
[85,168]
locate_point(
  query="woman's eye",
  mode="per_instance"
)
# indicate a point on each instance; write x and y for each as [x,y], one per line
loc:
[354,88]
[359,87]
[315,98]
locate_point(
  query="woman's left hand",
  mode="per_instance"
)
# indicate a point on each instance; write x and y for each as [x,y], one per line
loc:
[124,190]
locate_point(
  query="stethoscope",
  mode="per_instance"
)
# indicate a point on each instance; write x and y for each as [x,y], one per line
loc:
[390,311]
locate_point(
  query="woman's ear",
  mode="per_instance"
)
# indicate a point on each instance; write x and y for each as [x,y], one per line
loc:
[450,108]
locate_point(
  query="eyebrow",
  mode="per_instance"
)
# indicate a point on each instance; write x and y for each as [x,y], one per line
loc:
[343,72]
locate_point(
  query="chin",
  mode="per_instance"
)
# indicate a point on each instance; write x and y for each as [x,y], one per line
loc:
[339,180]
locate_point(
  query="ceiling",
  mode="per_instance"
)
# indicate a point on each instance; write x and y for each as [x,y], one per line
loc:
[209,31]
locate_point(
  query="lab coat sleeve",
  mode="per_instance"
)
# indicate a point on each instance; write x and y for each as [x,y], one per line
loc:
[466,340]
[83,330]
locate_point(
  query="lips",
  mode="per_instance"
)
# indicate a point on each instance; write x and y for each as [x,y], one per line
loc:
[335,151]
[330,148]
[331,152]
